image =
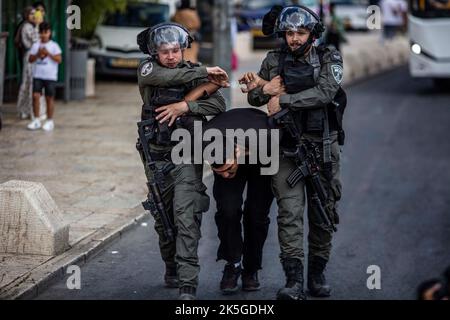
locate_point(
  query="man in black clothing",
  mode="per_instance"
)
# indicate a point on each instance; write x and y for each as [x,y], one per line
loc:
[229,184]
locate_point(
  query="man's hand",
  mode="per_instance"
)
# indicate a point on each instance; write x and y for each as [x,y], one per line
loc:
[274,105]
[249,77]
[252,81]
[274,87]
[42,53]
[218,76]
[216,71]
[171,112]
[220,81]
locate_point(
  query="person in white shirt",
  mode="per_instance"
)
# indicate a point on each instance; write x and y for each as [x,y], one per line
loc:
[393,15]
[46,54]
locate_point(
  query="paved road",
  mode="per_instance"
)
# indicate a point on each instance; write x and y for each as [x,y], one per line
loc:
[394,214]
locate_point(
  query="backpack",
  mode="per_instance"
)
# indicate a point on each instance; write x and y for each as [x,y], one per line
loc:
[337,106]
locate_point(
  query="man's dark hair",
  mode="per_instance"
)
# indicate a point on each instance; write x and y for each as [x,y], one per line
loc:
[44,26]
[424,287]
[185,4]
[39,3]
[26,12]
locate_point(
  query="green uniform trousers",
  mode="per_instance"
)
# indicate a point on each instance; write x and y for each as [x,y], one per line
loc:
[291,205]
[185,199]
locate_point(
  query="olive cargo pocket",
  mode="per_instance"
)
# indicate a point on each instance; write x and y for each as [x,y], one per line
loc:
[202,199]
[336,189]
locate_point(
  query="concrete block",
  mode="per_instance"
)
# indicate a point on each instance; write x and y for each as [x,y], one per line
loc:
[30,221]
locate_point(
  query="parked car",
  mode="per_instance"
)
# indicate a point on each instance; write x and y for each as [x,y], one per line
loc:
[353,13]
[114,46]
[249,15]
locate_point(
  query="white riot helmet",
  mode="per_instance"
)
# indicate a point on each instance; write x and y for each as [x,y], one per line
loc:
[293,18]
[170,34]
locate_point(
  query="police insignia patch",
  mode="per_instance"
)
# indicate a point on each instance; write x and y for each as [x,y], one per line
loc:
[335,56]
[146,69]
[338,73]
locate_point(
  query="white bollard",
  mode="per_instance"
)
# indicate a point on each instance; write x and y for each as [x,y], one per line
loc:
[30,221]
[90,78]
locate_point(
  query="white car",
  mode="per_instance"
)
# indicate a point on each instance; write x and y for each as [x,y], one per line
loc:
[353,13]
[114,45]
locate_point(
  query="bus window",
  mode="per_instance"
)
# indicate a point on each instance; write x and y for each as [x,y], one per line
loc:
[430,8]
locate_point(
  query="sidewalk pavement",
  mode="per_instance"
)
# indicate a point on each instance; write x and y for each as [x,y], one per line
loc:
[90,167]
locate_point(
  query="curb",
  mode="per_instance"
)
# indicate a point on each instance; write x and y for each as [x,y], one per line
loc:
[38,279]
[368,62]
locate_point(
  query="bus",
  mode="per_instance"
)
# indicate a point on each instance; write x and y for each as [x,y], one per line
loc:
[429,34]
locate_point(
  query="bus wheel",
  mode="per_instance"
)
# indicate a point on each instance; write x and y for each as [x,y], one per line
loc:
[442,84]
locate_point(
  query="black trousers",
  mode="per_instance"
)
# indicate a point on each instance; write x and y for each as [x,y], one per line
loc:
[228,194]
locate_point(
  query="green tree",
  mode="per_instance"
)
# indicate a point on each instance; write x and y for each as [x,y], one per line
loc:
[92,11]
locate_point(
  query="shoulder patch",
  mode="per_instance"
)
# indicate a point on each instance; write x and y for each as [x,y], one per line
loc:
[335,56]
[146,69]
[338,73]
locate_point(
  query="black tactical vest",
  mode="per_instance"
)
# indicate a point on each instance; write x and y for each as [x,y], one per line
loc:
[298,76]
[162,97]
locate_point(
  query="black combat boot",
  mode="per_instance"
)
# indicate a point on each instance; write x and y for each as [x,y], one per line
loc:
[250,281]
[187,293]
[317,284]
[170,277]
[229,283]
[293,290]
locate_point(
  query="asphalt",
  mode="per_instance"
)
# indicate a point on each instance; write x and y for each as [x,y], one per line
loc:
[394,212]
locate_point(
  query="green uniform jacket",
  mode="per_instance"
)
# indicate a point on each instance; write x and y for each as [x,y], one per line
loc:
[151,74]
[327,85]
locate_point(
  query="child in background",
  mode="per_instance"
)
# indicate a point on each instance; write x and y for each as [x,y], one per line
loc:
[47,55]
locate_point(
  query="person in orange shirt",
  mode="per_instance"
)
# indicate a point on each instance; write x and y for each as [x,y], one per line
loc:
[188,17]
[440,4]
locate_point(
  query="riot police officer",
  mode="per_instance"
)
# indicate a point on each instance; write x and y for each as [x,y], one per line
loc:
[306,79]
[164,79]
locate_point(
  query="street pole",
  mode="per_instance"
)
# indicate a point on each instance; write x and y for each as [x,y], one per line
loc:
[222,42]
[1,15]
[67,70]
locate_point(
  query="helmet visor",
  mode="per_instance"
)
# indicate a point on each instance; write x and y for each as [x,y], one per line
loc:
[168,37]
[294,19]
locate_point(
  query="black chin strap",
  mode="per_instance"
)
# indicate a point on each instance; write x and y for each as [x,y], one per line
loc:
[302,49]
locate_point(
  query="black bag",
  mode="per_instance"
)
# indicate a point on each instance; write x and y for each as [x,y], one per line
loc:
[337,106]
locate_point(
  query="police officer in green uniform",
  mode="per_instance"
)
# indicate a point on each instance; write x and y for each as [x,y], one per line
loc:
[164,79]
[306,79]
